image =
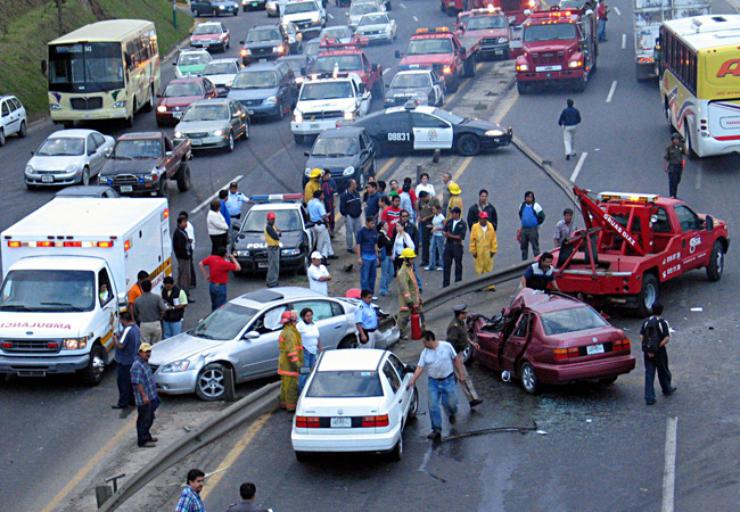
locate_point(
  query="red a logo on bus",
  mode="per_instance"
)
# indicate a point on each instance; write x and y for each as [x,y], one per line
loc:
[731,67]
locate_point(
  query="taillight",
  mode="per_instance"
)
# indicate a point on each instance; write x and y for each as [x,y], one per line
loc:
[307,422]
[561,354]
[375,421]
[620,345]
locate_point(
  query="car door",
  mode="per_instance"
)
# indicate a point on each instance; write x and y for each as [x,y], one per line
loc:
[366,160]
[259,355]
[236,119]
[430,132]
[108,319]
[17,113]
[98,159]
[5,120]
[404,377]
[329,317]
[693,238]
[396,398]
[515,344]
[91,148]
[11,119]
[395,134]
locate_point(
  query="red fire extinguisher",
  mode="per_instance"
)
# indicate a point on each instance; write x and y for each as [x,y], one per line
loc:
[415,324]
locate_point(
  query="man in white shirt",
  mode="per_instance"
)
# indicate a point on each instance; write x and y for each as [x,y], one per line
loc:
[443,366]
[218,229]
[318,275]
[190,230]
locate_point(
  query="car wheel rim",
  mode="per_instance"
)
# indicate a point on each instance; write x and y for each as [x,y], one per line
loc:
[85,177]
[98,365]
[650,296]
[231,142]
[720,261]
[468,146]
[211,383]
[466,353]
[528,377]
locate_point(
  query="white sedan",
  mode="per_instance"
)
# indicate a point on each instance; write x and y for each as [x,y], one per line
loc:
[68,157]
[377,26]
[355,400]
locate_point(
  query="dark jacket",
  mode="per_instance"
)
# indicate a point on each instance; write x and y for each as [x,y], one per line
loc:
[181,244]
[459,230]
[350,204]
[246,506]
[413,232]
[569,117]
[457,334]
[474,211]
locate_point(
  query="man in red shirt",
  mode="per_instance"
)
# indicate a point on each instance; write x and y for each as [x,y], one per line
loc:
[392,214]
[219,265]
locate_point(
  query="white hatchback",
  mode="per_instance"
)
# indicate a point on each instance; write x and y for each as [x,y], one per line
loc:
[355,400]
[12,118]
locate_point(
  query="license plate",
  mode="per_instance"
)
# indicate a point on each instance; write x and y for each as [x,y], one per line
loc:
[261,265]
[341,423]
[498,52]
[250,112]
[314,125]
[548,68]
[47,179]
[595,349]
[177,115]
[127,188]
[195,142]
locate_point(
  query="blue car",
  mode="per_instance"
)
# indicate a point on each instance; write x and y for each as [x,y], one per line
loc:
[266,89]
[214,7]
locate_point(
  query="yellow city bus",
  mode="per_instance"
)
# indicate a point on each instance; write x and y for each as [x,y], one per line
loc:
[102,71]
[700,81]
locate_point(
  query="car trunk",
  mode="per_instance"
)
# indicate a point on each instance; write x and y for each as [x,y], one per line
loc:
[345,414]
[580,346]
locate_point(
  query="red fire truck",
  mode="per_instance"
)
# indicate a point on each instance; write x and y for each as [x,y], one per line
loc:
[632,243]
[557,46]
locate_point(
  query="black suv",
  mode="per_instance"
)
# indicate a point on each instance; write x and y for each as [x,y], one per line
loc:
[265,42]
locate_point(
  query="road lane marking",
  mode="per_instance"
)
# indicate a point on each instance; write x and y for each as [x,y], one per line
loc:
[669,470]
[697,185]
[616,9]
[612,89]
[403,5]
[233,454]
[624,41]
[331,16]
[464,165]
[213,196]
[93,463]
[384,169]
[415,19]
[579,166]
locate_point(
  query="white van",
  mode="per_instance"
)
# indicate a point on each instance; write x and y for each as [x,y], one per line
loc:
[55,316]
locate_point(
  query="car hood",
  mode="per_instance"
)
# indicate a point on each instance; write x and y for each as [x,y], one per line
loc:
[205,37]
[221,79]
[329,162]
[180,347]
[479,124]
[325,105]
[299,16]
[179,101]
[44,325]
[263,44]
[427,60]
[370,28]
[201,126]
[488,32]
[55,163]
[252,94]
[254,240]
[193,69]
[138,166]
[406,92]
[227,3]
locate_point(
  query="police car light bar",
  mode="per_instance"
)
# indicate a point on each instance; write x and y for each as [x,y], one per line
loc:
[434,30]
[628,196]
[276,198]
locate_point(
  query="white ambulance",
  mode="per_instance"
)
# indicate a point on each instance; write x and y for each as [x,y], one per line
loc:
[67,269]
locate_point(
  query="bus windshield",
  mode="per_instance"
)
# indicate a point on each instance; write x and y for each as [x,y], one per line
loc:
[85,67]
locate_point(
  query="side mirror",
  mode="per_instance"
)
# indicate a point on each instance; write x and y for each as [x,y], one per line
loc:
[241,42]
[306,153]
[387,86]
[108,152]
[160,95]
[174,63]
[398,54]
[409,368]
[375,67]
[32,153]
[709,223]
[251,335]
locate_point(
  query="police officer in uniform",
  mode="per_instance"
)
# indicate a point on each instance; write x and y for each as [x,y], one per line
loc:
[366,320]
[457,335]
[674,163]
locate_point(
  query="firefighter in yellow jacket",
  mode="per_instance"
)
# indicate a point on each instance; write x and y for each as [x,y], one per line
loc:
[290,360]
[455,198]
[408,290]
[314,184]
[483,244]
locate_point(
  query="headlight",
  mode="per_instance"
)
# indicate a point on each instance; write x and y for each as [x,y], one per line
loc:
[447,70]
[244,52]
[178,135]
[494,133]
[316,17]
[502,40]
[522,67]
[176,366]
[222,7]
[278,49]
[243,254]
[298,116]
[161,108]
[290,252]
[218,133]
[575,64]
[103,180]
[348,171]
[74,343]
[349,115]
[29,169]
[55,106]
[272,100]
[119,104]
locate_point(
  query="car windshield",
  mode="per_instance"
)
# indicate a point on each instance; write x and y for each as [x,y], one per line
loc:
[448,116]
[404,81]
[298,7]
[255,80]
[374,19]
[144,148]
[220,68]
[571,320]
[484,22]
[363,8]
[344,62]
[261,35]
[193,59]
[345,385]
[177,90]
[207,29]
[218,112]
[48,290]
[63,146]
[326,91]
[558,31]
[429,46]
[225,323]
[335,146]
[336,33]
[285,220]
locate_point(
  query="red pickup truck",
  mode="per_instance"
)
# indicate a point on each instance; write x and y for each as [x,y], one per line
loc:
[488,28]
[349,58]
[441,50]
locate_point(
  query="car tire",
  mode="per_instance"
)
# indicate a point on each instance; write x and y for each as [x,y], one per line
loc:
[522,88]
[92,375]
[580,83]
[23,131]
[468,145]
[299,139]
[281,111]
[302,457]
[162,188]
[196,13]
[85,176]
[649,295]
[608,381]
[30,187]
[232,143]
[414,408]
[716,262]
[183,178]
[468,355]
[2,137]
[396,454]
[529,378]
[348,342]
[211,382]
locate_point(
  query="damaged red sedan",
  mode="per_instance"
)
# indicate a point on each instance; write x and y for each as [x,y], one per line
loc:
[551,338]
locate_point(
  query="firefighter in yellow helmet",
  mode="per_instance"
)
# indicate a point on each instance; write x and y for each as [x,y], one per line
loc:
[409,296]
[483,244]
[314,184]
[455,198]
[290,360]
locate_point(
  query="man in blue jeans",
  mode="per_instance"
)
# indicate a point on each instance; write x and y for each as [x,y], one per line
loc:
[219,265]
[366,251]
[443,367]
[127,346]
[655,334]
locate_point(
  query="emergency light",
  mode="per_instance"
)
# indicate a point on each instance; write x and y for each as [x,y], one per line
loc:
[102,244]
[628,196]
[276,198]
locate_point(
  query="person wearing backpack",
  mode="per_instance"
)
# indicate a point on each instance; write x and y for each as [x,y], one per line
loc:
[655,335]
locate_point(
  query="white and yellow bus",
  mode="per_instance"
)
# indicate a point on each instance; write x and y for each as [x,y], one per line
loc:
[102,71]
[700,81]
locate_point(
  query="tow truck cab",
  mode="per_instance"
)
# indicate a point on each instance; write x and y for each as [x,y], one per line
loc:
[557,46]
[349,58]
[441,50]
[516,11]
[633,242]
[486,27]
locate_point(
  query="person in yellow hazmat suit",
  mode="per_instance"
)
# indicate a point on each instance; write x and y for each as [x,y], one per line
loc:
[483,244]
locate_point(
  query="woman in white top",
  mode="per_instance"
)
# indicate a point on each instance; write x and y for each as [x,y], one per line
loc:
[218,230]
[311,344]
[425,186]
[400,242]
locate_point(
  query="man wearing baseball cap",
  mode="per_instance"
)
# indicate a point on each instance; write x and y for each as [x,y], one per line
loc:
[272,240]
[318,275]
[483,244]
[145,394]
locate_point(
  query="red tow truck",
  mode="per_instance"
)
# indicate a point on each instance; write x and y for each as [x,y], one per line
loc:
[557,46]
[488,28]
[632,243]
[516,11]
[349,58]
[442,50]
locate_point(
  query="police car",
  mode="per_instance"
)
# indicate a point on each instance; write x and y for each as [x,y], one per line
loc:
[419,128]
[297,240]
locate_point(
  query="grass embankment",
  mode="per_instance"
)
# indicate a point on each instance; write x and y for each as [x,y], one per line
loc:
[26,26]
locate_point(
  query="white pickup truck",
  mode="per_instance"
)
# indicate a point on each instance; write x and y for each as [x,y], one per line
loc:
[327,100]
[67,269]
